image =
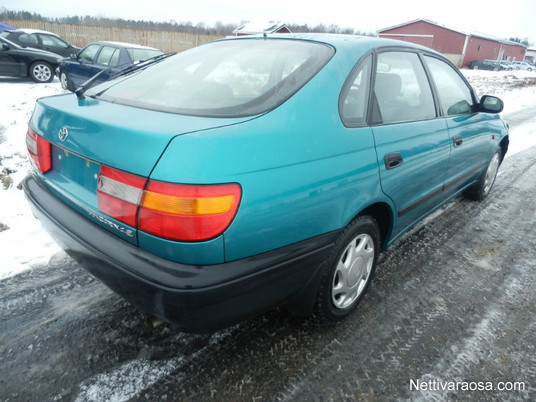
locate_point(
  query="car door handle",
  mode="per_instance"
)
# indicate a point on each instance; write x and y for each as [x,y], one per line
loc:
[457,140]
[392,160]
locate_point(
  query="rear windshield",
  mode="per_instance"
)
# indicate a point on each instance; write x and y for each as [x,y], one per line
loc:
[232,78]
[142,54]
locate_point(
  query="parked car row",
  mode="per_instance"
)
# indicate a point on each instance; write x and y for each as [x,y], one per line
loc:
[41,55]
[501,65]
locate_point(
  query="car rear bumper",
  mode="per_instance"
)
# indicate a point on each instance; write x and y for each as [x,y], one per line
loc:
[196,298]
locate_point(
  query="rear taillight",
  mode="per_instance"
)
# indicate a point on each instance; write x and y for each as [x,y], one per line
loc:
[39,150]
[172,211]
[119,194]
[188,212]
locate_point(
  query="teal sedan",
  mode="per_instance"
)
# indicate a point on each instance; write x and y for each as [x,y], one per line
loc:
[255,172]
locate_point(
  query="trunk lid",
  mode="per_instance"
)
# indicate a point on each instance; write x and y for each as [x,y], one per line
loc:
[86,134]
[123,137]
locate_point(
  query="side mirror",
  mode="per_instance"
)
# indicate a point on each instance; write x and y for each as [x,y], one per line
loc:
[4,47]
[490,104]
[73,56]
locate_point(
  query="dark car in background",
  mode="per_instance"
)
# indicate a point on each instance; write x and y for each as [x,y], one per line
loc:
[16,61]
[492,65]
[42,40]
[106,58]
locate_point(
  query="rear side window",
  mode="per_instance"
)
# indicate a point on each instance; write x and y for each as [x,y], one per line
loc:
[354,97]
[108,56]
[454,94]
[29,39]
[401,89]
[49,40]
[231,78]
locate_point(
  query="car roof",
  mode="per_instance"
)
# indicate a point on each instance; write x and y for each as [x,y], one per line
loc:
[122,44]
[342,41]
[31,31]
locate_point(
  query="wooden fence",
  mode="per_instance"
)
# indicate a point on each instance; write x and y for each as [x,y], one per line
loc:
[81,35]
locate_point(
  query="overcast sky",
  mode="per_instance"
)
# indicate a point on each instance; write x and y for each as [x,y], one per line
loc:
[508,18]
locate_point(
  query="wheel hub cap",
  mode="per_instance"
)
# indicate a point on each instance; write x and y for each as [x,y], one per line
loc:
[353,271]
[356,271]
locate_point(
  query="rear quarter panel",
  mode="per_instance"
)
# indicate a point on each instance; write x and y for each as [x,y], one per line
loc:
[302,172]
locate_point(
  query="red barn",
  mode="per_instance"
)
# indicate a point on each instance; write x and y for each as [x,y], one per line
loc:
[460,47]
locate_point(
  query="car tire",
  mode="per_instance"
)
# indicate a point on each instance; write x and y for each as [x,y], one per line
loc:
[41,71]
[65,81]
[475,67]
[483,186]
[347,272]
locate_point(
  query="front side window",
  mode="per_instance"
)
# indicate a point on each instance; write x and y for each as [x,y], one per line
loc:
[402,91]
[230,78]
[454,94]
[88,54]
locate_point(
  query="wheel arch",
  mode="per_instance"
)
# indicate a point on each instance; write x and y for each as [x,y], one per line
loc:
[303,303]
[382,213]
[37,61]
[504,146]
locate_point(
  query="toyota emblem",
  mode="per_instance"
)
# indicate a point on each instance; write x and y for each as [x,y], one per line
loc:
[63,133]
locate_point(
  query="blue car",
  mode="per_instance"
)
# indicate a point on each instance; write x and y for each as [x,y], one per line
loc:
[104,58]
[253,172]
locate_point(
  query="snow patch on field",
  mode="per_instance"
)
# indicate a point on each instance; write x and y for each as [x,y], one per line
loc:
[23,243]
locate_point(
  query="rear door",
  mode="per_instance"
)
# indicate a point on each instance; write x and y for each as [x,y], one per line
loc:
[412,144]
[107,59]
[470,135]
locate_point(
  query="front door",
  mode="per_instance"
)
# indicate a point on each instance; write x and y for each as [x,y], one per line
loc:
[469,131]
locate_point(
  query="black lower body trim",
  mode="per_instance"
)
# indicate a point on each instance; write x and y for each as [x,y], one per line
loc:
[196,298]
[446,188]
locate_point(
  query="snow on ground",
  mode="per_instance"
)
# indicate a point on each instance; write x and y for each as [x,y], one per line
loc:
[24,244]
